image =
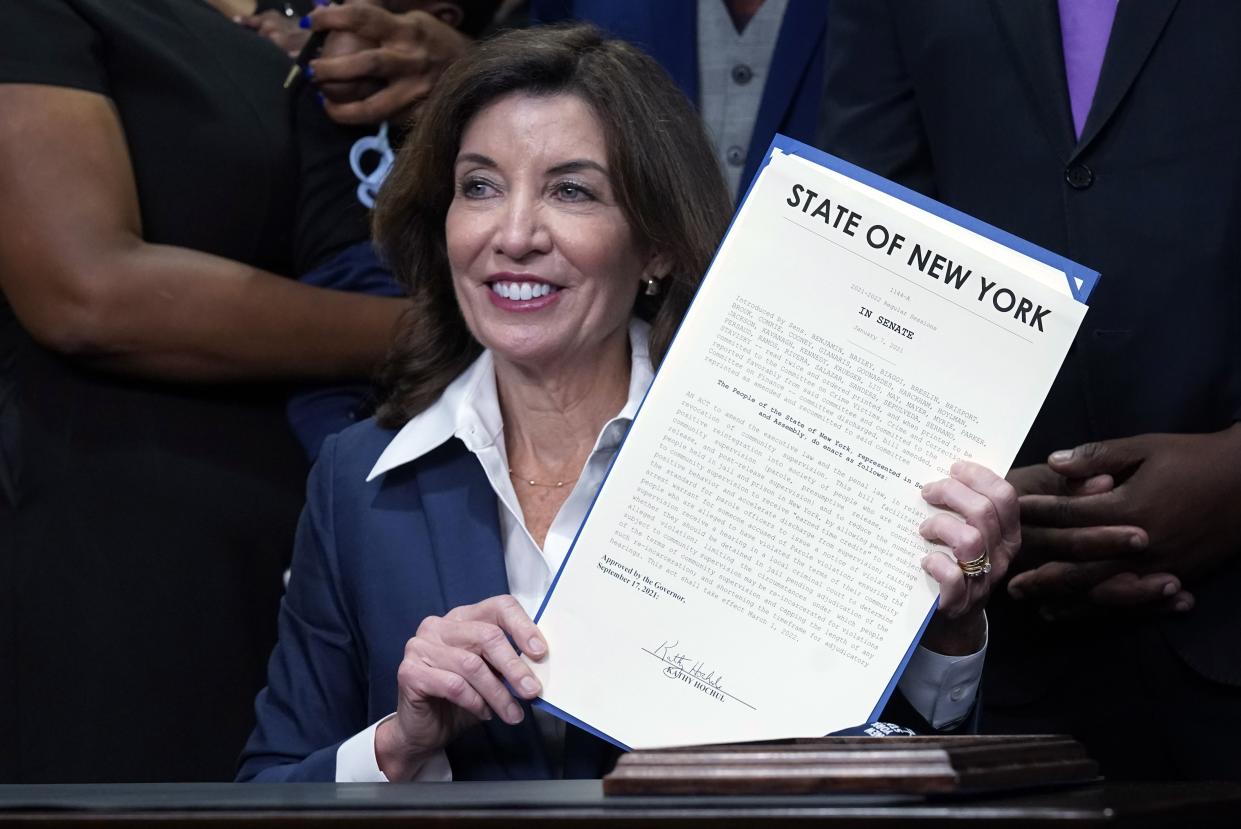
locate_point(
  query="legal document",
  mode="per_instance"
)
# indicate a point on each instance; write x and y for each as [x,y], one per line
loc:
[750,567]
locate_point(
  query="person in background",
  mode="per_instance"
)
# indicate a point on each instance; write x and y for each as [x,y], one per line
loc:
[149,486]
[753,67]
[551,242]
[362,34]
[1106,132]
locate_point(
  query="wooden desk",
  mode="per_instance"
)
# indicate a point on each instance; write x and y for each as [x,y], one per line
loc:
[572,803]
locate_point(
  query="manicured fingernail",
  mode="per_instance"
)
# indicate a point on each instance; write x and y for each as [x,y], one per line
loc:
[310,71]
[536,646]
[319,97]
[515,714]
[529,686]
[1183,606]
[1169,589]
[304,22]
[1061,456]
[322,2]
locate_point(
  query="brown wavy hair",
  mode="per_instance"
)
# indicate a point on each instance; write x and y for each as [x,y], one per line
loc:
[664,174]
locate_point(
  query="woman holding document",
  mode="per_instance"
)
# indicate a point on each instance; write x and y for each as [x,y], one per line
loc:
[551,216]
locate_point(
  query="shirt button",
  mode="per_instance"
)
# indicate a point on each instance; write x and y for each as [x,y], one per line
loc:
[956,694]
[742,74]
[1079,176]
[735,156]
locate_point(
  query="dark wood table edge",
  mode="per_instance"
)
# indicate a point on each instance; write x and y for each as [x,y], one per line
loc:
[1165,805]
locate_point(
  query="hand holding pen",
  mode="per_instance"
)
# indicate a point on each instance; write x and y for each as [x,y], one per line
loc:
[309,51]
[380,64]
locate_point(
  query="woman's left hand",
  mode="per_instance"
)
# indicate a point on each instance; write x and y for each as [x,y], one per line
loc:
[982,518]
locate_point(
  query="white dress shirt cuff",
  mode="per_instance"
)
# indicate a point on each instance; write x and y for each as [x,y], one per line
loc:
[356,763]
[942,689]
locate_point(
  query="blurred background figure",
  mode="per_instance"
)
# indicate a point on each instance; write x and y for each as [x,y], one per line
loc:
[1106,132]
[151,195]
[752,67]
[378,63]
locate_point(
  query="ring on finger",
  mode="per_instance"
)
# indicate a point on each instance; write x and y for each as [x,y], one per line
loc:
[978,567]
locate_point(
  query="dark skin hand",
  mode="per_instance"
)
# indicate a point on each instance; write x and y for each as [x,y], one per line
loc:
[390,60]
[1128,523]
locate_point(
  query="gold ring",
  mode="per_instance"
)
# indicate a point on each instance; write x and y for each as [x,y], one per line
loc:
[980,566]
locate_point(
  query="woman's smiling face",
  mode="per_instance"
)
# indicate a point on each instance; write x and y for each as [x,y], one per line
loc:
[544,264]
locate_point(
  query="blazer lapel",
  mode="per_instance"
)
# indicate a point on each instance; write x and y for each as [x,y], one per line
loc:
[1135,31]
[801,32]
[463,524]
[673,31]
[462,518]
[1031,30]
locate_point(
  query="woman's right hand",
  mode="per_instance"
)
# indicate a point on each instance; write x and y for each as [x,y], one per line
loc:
[453,675]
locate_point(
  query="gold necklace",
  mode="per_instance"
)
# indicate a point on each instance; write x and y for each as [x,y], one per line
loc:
[530,481]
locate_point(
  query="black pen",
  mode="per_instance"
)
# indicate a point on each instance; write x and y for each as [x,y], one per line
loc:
[308,53]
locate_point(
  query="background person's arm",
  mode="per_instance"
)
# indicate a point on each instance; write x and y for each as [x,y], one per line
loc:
[83,282]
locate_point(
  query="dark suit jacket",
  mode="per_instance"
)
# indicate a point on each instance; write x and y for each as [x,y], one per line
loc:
[668,31]
[966,100]
[371,561]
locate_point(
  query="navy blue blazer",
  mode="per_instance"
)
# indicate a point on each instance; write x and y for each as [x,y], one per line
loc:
[371,561]
[668,31]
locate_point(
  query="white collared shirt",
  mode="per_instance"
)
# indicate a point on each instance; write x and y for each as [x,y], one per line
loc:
[940,688]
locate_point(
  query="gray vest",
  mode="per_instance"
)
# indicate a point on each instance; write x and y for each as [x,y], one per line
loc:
[732,71]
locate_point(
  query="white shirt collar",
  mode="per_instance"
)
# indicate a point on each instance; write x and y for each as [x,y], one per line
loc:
[469,409]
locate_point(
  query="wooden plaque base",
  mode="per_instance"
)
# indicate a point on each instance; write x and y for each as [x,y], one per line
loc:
[904,765]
